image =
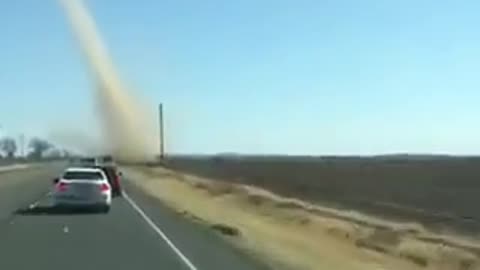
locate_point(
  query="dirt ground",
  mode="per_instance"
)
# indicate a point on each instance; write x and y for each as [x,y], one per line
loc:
[438,192]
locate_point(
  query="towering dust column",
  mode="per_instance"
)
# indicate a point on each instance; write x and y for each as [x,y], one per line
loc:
[126,127]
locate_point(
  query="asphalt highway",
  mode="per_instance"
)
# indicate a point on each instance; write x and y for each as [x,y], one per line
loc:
[138,233]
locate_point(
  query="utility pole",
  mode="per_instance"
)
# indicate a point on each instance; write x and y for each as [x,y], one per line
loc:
[162,137]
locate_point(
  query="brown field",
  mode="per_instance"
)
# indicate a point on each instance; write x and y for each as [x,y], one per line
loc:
[439,192]
[287,233]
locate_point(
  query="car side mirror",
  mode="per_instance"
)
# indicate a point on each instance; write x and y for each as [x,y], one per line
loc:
[56,180]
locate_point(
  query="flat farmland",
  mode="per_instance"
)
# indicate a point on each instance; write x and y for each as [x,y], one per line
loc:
[442,193]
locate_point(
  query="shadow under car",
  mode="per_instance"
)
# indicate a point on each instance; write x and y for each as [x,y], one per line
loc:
[56,210]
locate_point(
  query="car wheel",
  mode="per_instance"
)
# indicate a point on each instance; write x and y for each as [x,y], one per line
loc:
[117,193]
[106,209]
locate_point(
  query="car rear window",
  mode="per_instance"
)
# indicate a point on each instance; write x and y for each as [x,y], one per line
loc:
[82,176]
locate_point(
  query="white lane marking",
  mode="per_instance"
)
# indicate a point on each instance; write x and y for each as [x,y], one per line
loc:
[36,203]
[160,232]
[65,229]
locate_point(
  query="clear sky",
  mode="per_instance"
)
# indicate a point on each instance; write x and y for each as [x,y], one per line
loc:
[270,76]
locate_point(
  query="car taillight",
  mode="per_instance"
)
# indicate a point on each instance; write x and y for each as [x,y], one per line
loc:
[62,186]
[104,187]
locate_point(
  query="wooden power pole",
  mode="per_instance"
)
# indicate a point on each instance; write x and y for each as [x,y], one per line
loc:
[162,137]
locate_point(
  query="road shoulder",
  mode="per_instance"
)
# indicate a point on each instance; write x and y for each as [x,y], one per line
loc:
[202,246]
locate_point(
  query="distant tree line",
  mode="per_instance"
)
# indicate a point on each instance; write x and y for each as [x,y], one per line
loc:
[37,148]
[8,147]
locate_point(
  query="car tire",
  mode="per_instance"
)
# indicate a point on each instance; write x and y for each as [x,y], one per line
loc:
[117,193]
[105,209]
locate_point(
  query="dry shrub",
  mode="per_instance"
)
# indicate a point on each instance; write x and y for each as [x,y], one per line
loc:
[220,188]
[340,233]
[304,220]
[200,185]
[226,229]
[438,255]
[380,240]
[192,217]
[256,199]
[364,243]
[386,237]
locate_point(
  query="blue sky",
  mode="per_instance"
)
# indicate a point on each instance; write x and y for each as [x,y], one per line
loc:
[297,77]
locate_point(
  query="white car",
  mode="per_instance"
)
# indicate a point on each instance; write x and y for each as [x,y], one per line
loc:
[83,187]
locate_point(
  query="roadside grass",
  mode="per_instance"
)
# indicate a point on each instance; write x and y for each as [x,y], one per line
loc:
[292,234]
[13,167]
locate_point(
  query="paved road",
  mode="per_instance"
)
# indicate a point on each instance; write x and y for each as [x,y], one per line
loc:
[145,236]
